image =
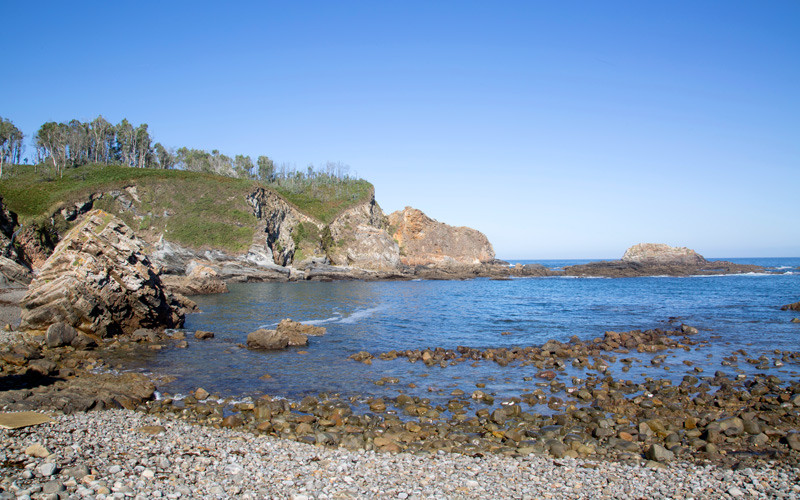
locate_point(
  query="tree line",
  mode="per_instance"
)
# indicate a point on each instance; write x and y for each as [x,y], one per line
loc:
[63,145]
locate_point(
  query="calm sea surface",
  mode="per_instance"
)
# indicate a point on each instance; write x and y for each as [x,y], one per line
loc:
[736,311]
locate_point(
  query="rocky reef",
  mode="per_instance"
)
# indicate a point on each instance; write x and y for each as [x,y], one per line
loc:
[658,259]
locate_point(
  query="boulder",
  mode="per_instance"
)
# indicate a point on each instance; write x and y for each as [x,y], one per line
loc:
[289,327]
[60,334]
[98,280]
[658,259]
[288,333]
[266,339]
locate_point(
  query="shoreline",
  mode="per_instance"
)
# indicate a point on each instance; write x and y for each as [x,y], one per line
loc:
[131,453]
[703,435]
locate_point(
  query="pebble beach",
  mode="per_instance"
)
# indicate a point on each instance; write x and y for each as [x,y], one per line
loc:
[127,454]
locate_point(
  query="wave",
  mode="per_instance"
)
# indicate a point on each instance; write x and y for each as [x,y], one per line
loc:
[337,318]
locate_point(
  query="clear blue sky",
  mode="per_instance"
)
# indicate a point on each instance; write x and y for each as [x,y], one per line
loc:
[559,129]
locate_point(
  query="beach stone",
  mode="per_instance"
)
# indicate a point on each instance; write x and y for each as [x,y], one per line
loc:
[203,335]
[54,486]
[658,453]
[77,471]
[60,334]
[201,394]
[47,469]
[793,440]
[37,450]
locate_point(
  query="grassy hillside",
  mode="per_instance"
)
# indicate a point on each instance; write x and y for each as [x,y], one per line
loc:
[193,209]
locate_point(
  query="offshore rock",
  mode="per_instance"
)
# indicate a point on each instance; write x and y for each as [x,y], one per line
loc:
[424,241]
[289,327]
[791,307]
[661,254]
[98,280]
[653,259]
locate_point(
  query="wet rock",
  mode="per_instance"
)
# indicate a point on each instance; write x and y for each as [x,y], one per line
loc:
[795,306]
[658,453]
[266,339]
[203,335]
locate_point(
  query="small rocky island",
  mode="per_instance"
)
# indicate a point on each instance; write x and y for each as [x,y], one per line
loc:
[658,259]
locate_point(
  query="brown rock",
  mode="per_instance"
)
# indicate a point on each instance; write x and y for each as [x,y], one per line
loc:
[199,280]
[98,280]
[266,339]
[203,335]
[424,241]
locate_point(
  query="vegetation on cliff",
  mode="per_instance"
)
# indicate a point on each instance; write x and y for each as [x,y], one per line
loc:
[194,209]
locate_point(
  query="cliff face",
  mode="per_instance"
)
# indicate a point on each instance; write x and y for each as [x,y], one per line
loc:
[424,241]
[281,221]
[360,239]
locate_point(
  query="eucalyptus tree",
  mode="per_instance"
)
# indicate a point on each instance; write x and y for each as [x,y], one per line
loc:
[166,158]
[243,166]
[51,140]
[266,169]
[102,136]
[10,143]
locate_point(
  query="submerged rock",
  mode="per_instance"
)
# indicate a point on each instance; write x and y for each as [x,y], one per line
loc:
[98,280]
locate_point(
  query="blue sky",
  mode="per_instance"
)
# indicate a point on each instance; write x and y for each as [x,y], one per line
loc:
[559,129]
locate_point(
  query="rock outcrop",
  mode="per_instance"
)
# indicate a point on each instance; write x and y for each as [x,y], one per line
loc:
[13,274]
[659,254]
[281,221]
[99,281]
[426,242]
[652,259]
[200,280]
[362,240]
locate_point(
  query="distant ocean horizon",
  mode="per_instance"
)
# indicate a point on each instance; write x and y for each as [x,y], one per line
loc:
[770,263]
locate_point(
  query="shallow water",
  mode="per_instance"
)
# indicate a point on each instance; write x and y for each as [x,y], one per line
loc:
[742,311]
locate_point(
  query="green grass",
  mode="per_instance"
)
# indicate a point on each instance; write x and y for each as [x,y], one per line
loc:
[325,202]
[202,210]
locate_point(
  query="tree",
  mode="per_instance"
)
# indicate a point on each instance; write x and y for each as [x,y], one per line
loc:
[10,143]
[101,135]
[266,169]
[166,158]
[243,166]
[51,139]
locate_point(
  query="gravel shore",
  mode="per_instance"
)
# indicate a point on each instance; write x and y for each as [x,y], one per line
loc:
[122,453]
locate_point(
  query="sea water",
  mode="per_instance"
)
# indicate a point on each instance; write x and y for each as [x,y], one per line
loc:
[733,312]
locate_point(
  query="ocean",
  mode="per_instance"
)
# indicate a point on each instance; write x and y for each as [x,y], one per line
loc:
[733,312]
